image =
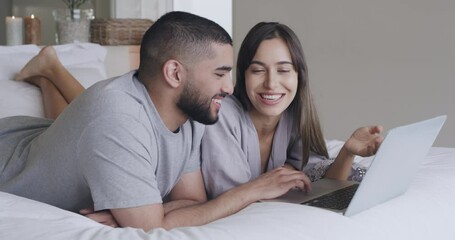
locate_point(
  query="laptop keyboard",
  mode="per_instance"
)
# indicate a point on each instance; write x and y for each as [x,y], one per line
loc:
[337,200]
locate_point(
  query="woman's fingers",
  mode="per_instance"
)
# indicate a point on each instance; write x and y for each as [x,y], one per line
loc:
[282,179]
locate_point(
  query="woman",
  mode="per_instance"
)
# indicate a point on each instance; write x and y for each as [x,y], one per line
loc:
[271,121]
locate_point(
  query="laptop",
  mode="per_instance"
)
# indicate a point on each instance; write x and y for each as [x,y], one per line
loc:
[389,175]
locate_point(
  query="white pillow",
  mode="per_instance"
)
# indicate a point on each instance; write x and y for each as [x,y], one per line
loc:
[13,58]
[84,60]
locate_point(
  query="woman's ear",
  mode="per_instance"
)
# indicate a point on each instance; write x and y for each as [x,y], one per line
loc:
[173,73]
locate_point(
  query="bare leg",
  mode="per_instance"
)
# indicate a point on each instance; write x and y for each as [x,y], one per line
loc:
[53,101]
[46,64]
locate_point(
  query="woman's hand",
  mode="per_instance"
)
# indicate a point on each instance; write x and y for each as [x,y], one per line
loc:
[104,217]
[277,182]
[365,141]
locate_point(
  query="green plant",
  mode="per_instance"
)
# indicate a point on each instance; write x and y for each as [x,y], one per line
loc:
[74,4]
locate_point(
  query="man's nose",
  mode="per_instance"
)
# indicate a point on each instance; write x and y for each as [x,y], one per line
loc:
[227,87]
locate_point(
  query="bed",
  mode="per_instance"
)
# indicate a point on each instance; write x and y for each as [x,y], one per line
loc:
[425,211]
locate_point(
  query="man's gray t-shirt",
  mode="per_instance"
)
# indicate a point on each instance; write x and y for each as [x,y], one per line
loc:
[109,148]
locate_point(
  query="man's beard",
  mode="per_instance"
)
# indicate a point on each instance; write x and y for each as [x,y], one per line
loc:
[195,105]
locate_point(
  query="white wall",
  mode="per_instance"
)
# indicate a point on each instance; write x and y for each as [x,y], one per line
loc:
[5,10]
[149,9]
[388,62]
[219,11]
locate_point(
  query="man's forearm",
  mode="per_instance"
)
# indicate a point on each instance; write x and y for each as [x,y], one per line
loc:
[177,204]
[203,213]
[183,212]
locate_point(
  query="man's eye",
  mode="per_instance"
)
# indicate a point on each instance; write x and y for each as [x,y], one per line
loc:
[220,74]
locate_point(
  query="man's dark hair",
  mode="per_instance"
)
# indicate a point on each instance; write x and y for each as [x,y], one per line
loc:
[179,35]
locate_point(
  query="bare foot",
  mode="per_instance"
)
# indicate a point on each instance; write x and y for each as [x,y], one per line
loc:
[39,65]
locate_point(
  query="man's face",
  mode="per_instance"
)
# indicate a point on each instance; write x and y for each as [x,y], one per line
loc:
[208,82]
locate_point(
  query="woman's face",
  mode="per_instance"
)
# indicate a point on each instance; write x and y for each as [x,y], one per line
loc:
[271,80]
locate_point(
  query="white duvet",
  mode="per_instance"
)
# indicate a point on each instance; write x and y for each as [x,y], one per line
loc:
[425,211]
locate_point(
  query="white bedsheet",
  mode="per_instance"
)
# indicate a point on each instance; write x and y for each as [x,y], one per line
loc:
[425,211]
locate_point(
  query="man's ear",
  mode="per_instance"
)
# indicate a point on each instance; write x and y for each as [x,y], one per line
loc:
[173,73]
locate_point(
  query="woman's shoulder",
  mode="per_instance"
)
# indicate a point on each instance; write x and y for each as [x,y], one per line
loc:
[231,106]
[231,116]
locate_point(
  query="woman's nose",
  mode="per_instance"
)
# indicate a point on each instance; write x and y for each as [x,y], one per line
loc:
[270,80]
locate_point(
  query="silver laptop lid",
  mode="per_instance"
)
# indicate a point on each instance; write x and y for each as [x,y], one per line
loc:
[395,163]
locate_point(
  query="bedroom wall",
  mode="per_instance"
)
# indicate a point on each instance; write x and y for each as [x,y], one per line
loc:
[370,62]
[5,10]
[388,62]
[43,9]
[219,11]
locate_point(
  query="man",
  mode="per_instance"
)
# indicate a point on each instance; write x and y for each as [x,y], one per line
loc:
[126,144]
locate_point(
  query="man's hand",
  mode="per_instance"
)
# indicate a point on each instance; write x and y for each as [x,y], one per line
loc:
[104,217]
[187,192]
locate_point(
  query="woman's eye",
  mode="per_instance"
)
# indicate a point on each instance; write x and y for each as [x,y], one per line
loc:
[258,70]
[220,74]
[284,70]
